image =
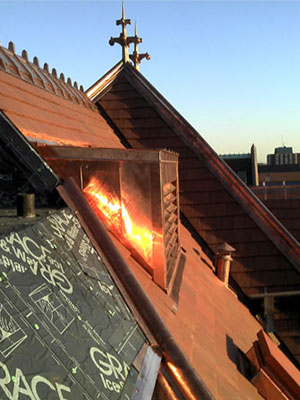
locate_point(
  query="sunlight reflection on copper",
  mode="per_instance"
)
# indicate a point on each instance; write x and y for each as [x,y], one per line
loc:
[167,387]
[180,379]
[114,212]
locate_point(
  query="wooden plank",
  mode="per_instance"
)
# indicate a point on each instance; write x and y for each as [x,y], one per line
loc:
[144,386]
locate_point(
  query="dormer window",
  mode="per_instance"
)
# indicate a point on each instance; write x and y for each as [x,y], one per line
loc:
[135,193]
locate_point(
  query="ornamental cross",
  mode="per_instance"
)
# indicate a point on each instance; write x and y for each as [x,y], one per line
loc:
[124,41]
[137,57]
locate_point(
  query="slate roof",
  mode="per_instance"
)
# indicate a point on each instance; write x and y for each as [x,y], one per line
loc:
[213,199]
[216,202]
[284,202]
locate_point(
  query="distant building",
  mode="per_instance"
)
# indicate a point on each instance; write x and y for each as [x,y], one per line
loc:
[283,167]
[279,174]
[244,165]
[283,156]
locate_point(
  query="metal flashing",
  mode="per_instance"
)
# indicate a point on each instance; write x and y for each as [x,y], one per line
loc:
[103,83]
[146,380]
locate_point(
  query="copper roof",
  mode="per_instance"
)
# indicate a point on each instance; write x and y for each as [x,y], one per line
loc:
[28,71]
[206,323]
[148,120]
[46,109]
[217,204]
[206,319]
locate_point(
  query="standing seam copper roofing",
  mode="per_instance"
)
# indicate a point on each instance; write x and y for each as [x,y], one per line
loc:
[22,68]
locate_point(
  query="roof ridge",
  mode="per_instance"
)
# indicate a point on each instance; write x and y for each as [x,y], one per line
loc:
[21,67]
[103,83]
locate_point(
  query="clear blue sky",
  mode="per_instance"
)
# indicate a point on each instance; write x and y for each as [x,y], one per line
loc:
[231,68]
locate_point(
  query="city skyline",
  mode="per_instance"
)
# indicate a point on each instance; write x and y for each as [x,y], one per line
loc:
[230,68]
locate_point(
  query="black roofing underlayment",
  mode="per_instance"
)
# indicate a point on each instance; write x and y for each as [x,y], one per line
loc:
[22,170]
[65,331]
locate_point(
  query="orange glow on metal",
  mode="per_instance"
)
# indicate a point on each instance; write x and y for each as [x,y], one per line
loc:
[44,138]
[167,387]
[180,379]
[117,218]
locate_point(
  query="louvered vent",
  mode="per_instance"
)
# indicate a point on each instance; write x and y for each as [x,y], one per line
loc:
[170,203]
[135,193]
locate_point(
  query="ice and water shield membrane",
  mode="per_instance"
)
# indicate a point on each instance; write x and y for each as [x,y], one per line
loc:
[65,330]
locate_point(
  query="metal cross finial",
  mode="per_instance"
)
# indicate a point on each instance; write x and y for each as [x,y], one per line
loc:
[135,56]
[123,40]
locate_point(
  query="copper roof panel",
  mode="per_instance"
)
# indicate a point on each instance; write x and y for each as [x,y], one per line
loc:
[207,323]
[46,118]
[31,72]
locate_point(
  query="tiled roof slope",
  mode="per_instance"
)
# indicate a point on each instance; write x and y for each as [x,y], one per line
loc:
[47,109]
[217,204]
[204,319]
[206,323]
[288,212]
[284,202]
